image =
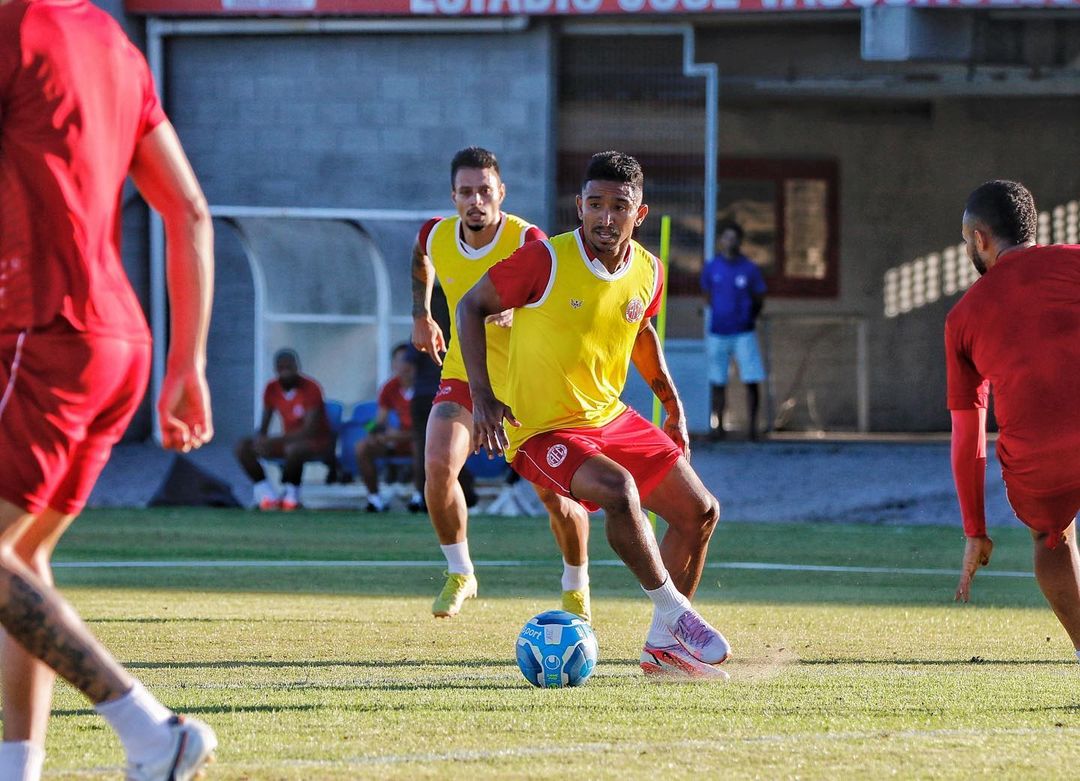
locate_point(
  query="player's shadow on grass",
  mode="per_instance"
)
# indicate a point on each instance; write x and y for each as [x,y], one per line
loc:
[206,709]
[973,662]
[227,664]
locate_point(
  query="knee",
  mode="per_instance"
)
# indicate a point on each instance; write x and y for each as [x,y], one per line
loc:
[709,516]
[617,493]
[438,472]
[295,450]
[245,447]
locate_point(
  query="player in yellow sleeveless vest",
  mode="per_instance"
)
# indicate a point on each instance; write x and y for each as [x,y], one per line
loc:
[459,250]
[582,306]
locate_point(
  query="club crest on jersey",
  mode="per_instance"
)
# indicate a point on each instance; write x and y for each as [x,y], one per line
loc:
[556,454]
[575,303]
[635,310]
[298,410]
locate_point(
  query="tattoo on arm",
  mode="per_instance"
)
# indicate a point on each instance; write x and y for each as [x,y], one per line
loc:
[34,619]
[662,389]
[422,280]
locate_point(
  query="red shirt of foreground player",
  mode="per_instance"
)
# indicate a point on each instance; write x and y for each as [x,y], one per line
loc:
[64,155]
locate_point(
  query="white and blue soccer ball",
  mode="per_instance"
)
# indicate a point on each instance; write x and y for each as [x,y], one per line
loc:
[556,649]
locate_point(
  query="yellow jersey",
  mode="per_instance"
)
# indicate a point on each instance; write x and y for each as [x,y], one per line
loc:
[459,267]
[575,324]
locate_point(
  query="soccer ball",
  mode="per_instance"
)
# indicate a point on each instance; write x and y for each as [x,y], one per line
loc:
[556,649]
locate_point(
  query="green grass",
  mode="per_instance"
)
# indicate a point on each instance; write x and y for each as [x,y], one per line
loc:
[339,673]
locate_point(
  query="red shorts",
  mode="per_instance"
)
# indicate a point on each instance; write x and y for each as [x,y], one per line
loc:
[551,459]
[67,398]
[456,391]
[1050,515]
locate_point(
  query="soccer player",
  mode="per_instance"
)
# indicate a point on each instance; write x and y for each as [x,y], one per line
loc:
[459,250]
[1017,331]
[582,306]
[78,112]
[306,436]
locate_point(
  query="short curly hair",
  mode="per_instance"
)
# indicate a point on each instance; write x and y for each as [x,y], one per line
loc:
[1006,208]
[614,166]
[472,157]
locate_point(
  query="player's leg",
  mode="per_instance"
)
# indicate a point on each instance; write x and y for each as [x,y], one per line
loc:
[248,453]
[1057,571]
[368,449]
[297,453]
[718,357]
[691,513]
[249,459]
[570,525]
[690,646]
[449,439]
[27,681]
[752,373]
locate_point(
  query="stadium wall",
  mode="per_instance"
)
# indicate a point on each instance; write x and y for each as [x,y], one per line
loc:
[348,121]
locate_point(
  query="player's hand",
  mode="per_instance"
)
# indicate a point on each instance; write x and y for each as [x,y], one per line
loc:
[675,427]
[503,319]
[977,552]
[184,410]
[488,431]
[428,338]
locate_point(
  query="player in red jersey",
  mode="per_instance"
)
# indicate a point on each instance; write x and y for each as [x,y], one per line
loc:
[384,439]
[78,112]
[1017,331]
[306,436]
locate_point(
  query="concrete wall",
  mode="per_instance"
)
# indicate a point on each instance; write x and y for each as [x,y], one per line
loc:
[350,121]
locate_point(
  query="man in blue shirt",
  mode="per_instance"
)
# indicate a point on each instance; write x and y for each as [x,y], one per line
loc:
[734,291]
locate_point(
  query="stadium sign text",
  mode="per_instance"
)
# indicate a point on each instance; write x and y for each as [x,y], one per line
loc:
[492,8]
[570,7]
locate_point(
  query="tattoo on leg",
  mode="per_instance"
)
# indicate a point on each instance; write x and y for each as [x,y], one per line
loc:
[447,410]
[31,620]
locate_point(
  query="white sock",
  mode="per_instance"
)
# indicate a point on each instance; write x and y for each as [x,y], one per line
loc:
[292,492]
[667,600]
[264,490]
[659,635]
[21,760]
[140,721]
[457,558]
[575,578]
[417,498]
[376,501]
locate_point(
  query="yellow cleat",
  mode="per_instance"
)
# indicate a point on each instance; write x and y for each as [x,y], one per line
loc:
[576,601]
[458,588]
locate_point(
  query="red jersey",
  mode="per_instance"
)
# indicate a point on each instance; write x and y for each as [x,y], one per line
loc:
[294,405]
[393,396]
[1017,331]
[76,97]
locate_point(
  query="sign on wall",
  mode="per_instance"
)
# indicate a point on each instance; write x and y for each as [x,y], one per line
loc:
[475,8]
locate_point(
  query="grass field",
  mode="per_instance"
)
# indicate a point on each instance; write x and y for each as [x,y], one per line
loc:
[324,672]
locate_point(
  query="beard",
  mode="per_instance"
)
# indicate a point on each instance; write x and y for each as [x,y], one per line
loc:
[979,263]
[475,227]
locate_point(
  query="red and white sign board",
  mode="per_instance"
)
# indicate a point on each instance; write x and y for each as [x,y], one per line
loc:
[481,8]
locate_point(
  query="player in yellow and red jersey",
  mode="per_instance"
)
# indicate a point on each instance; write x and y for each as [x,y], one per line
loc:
[582,307]
[460,250]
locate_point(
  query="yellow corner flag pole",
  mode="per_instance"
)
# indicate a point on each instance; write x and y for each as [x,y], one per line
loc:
[661,318]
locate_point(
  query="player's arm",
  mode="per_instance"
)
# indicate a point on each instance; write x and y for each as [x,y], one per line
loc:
[969,474]
[264,423]
[475,307]
[426,336]
[968,395]
[161,171]
[648,358]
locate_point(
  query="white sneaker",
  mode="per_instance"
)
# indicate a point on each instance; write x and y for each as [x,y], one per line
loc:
[696,635]
[192,748]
